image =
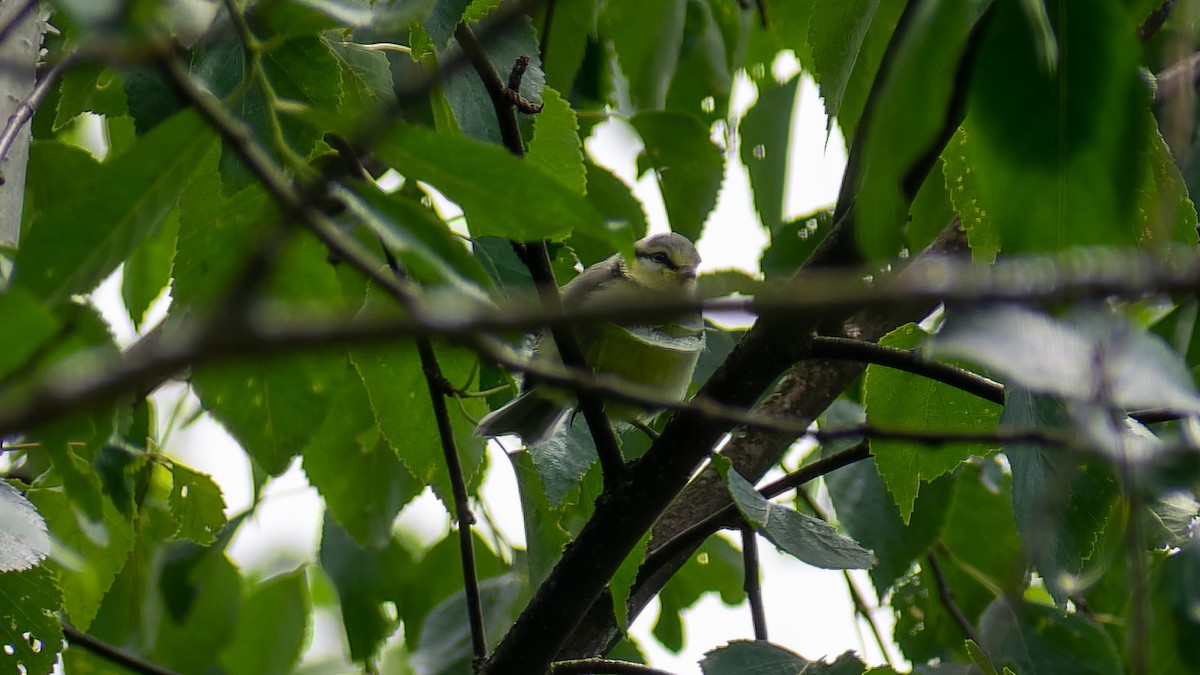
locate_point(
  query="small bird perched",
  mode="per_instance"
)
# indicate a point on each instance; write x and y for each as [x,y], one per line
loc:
[661,356]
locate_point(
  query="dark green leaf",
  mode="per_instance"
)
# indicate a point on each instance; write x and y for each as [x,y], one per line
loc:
[703,79]
[362,481]
[688,165]
[909,113]
[501,195]
[810,540]
[793,243]
[366,78]
[28,624]
[430,582]
[1034,638]
[555,147]
[124,204]
[569,30]
[545,537]
[899,400]
[90,88]
[720,283]
[1029,126]
[961,183]
[399,397]
[199,600]
[445,645]
[97,552]
[622,213]
[365,579]
[197,505]
[563,459]
[763,658]
[148,269]
[114,464]
[623,579]
[1061,506]
[766,132]
[272,627]
[646,37]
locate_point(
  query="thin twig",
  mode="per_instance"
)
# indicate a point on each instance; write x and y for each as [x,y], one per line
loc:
[1155,21]
[602,667]
[30,103]
[946,595]
[113,654]
[864,610]
[15,20]
[751,582]
[910,361]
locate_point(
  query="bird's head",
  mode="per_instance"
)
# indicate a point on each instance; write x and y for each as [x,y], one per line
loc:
[665,262]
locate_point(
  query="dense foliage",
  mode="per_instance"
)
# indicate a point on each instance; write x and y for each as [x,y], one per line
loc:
[1012,252]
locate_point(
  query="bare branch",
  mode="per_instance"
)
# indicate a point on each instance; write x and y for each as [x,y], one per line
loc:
[750,581]
[112,654]
[946,595]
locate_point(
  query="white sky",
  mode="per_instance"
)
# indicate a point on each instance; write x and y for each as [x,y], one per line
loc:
[808,610]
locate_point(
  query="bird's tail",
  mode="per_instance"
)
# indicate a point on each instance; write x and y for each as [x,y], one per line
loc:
[530,415]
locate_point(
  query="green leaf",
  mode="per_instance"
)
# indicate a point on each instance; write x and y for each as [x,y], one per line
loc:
[646,37]
[363,483]
[809,540]
[715,567]
[622,212]
[198,604]
[197,505]
[555,147]
[1033,638]
[688,165]
[766,132]
[909,112]
[272,627]
[445,645]
[847,40]
[297,17]
[37,324]
[148,269]
[98,552]
[1070,139]
[961,183]
[272,406]
[123,205]
[868,513]
[366,77]
[23,538]
[90,87]
[702,82]
[399,396]
[983,503]
[904,401]
[1066,357]
[571,24]
[623,579]
[501,194]
[562,461]
[1061,505]
[114,464]
[545,537]
[1168,214]
[793,243]
[365,579]
[29,601]
[427,584]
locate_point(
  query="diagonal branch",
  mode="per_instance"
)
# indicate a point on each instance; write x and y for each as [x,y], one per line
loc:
[112,654]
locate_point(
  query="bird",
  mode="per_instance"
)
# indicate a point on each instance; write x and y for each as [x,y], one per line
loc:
[662,356]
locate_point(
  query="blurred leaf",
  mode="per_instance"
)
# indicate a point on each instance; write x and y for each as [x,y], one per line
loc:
[365,579]
[506,270]
[297,17]
[962,185]
[113,465]
[124,204]
[1030,127]
[200,598]
[720,283]
[983,503]
[904,401]
[24,541]
[910,109]
[1034,638]
[445,647]
[197,505]
[793,242]
[367,87]
[646,37]
[148,270]
[563,459]
[868,513]
[555,147]
[1067,357]
[90,87]
[501,194]
[272,627]
[688,165]
[29,601]
[1061,505]
[809,540]
[571,25]
[37,324]
[100,550]
[545,537]
[437,577]
[766,132]
[622,213]
[715,567]
[713,34]
[357,473]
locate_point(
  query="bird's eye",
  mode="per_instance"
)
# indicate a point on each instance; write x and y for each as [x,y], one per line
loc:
[660,258]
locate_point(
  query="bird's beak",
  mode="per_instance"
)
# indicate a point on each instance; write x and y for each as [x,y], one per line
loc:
[688,273]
